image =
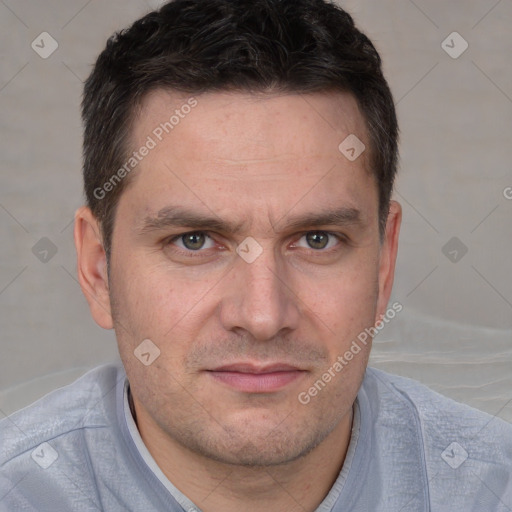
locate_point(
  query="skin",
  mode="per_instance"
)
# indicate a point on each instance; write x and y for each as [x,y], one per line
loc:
[261,162]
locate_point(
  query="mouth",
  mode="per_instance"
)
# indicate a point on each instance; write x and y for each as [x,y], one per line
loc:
[253,378]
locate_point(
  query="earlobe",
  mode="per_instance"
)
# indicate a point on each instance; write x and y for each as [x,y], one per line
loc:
[389,250]
[92,266]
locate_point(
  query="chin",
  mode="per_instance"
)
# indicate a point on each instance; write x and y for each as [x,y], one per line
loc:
[259,444]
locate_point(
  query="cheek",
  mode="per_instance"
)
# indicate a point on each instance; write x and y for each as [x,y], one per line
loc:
[341,308]
[346,294]
[138,296]
[149,306]
[153,302]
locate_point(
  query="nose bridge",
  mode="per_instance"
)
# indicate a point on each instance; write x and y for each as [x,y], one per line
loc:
[262,283]
[259,301]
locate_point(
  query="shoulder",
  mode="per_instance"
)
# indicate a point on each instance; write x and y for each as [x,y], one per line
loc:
[80,405]
[439,415]
[467,453]
[47,454]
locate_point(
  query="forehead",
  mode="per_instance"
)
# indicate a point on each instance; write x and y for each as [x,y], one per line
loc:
[231,125]
[225,147]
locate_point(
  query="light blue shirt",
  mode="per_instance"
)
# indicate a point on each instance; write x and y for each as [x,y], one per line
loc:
[411,450]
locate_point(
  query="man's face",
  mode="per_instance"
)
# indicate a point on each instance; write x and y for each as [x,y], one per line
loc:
[242,334]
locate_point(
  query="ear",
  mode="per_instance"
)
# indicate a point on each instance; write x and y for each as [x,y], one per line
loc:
[92,266]
[388,252]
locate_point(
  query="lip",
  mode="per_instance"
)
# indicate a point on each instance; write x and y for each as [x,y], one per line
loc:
[255,368]
[251,378]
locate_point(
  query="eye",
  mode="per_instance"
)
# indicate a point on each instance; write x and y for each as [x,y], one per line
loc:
[193,241]
[319,240]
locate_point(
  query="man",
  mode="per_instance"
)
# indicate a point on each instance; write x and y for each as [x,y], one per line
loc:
[239,236]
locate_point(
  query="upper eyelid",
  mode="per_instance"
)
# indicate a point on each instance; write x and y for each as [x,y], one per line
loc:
[173,238]
[341,237]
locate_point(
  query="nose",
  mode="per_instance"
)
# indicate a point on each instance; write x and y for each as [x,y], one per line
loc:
[259,298]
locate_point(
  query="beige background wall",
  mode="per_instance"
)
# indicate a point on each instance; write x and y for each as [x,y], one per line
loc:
[455,331]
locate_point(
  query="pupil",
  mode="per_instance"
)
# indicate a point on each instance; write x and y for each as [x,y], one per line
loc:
[317,240]
[193,241]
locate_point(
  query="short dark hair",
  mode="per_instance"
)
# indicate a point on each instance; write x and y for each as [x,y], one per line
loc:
[259,46]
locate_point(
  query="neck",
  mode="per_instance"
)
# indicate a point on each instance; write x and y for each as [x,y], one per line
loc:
[299,485]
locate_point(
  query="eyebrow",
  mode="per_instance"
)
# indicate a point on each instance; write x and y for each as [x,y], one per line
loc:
[173,217]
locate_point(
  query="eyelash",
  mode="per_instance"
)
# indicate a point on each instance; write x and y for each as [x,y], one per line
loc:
[189,253]
[200,252]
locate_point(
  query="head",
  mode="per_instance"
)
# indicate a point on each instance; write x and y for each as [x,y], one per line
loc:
[226,224]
